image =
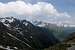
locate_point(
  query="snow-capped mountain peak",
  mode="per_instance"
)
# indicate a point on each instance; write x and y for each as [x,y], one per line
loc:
[23,34]
[7,19]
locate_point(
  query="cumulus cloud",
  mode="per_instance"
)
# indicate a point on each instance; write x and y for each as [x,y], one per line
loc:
[40,10]
[20,7]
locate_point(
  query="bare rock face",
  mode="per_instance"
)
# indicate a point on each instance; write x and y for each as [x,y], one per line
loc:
[22,35]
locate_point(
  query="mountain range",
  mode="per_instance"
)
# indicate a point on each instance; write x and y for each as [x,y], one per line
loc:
[21,34]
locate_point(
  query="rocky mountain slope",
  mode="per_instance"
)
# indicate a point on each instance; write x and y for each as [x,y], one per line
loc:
[21,34]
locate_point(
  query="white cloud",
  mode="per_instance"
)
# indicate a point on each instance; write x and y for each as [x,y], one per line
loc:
[40,10]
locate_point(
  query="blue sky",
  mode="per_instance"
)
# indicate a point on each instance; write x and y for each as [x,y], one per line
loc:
[57,7]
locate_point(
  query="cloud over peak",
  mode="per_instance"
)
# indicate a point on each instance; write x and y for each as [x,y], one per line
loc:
[40,10]
[22,7]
